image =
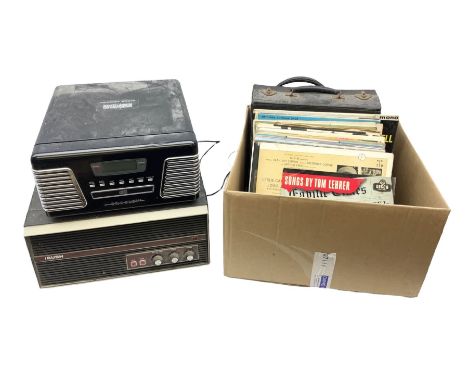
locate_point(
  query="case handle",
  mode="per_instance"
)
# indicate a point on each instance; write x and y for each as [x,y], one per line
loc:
[316,88]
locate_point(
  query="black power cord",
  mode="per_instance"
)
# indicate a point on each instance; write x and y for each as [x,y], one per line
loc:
[213,145]
[219,189]
[206,152]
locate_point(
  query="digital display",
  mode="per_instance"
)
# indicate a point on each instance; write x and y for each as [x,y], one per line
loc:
[119,167]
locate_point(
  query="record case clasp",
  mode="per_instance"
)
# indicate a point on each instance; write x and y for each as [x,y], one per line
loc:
[269,92]
[363,95]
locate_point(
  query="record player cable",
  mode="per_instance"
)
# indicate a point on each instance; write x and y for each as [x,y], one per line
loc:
[206,152]
[225,178]
[213,145]
[219,189]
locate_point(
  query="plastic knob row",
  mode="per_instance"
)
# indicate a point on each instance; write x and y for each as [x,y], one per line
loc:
[174,257]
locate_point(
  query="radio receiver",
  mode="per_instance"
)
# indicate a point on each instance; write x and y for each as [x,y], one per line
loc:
[82,248]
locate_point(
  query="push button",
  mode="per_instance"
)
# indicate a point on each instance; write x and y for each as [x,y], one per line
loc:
[121,181]
[102,183]
[140,180]
[149,178]
[131,181]
[111,183]
[91,185]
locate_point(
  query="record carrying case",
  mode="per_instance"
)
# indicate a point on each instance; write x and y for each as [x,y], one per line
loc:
[314,97]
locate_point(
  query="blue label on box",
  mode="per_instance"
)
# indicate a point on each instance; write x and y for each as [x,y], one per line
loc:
[323,281]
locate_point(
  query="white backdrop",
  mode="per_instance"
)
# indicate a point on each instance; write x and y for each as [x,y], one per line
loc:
[195,324]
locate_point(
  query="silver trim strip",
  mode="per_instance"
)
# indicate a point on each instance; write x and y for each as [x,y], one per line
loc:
[122,188]
[108,150]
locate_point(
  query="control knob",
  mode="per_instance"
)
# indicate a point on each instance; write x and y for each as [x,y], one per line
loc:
[174,256]
[189,255]
[158,260]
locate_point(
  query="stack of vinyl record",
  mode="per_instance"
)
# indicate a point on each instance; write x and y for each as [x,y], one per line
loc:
[323,154]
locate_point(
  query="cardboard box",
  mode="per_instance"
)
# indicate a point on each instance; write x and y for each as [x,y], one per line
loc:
[375,248]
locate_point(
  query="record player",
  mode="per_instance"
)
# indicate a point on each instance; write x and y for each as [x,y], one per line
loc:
[111,146]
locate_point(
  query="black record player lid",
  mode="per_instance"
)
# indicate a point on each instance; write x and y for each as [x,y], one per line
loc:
[114,110]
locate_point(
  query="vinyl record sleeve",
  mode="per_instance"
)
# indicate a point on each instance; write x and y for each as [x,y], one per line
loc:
[271,158]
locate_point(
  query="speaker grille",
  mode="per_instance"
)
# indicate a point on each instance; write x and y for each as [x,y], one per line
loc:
[111,264]
[181,177]
[59,190]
